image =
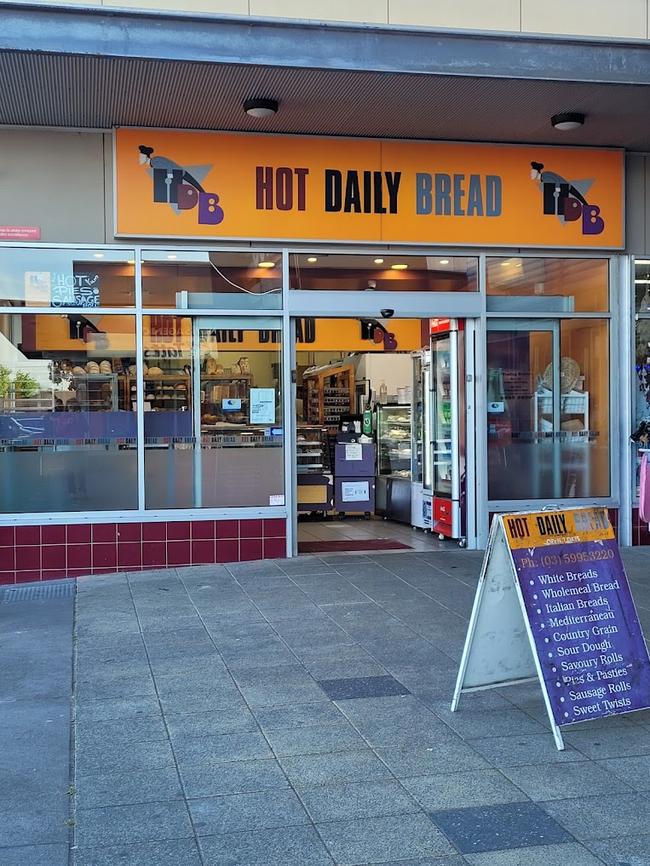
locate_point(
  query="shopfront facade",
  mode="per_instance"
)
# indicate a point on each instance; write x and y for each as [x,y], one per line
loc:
[222,265]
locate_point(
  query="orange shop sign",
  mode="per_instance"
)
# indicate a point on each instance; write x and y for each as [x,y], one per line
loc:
[173,184]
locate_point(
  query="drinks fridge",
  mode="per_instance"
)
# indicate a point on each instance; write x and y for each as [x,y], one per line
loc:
[438,432]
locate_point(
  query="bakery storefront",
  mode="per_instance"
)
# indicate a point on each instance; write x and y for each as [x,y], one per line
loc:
[155,391]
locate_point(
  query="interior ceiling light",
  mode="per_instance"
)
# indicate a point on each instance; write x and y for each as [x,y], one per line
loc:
[399,267]
[444,261]
[266,265]
[172,257]
[99,255]
[506,263]
[379,261]
[261,107]
[312,259]
[568,120]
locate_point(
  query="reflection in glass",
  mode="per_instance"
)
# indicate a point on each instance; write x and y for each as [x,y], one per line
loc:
[387,273]
[641,380]
[642,285]
[67,432]
[548,410]
[211,280]
[63,278]
[213,430]
[535,285]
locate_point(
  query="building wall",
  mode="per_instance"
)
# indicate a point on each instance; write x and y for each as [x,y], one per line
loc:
[627,19]
[54,180]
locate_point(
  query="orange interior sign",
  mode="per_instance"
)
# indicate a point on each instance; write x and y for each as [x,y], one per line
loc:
[179,184]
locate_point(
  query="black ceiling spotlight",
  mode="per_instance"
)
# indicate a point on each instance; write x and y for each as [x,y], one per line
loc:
[568,120]
[261,107]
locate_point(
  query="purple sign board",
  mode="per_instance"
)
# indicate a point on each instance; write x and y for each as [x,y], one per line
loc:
[582,619]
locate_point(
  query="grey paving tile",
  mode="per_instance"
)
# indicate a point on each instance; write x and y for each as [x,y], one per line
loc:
[336,669]
[338,736]
[567,854]
[362,687]
[526,749]
[210,684]
[449,755]
[123,825]
[307,771]
[461,790]
[172,852]
[375,840]
[453,860]
[123,757]
[633,772]
[492,828]
[121,789]
[626,850]
[599,817]
[257,811]
[238,777]
[233,719]
[103,689]
[201,702]
[117,708]
[481,722]
[610,743]
[288,684]
[288,846]
[357,800]
[559,781]
[246,746]
[35,855]
[297,716]
[94,734]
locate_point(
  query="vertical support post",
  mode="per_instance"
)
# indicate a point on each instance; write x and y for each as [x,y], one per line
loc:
[139,364]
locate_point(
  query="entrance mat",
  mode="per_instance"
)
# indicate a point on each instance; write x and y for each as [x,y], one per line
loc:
[341,546]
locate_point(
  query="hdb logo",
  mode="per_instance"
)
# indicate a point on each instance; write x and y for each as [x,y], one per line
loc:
[181,187]
[566,199]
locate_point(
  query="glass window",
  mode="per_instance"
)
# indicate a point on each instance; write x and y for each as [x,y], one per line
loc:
[206,280]
[642,285]
[66,278]
[381,272]
[641,381]
[547,285]
[548,409]
[214,431]
[67,432]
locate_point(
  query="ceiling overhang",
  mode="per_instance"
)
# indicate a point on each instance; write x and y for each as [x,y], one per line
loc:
[94,67]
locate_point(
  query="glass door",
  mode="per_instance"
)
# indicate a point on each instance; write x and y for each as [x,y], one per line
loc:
[523,410]
[237,405]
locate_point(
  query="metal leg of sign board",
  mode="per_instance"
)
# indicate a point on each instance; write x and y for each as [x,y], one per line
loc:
[499,648]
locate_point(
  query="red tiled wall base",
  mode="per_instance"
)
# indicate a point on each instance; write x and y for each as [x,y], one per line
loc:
[640,531]
[29,553]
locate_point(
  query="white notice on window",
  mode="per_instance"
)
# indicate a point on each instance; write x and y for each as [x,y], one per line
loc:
[353,451]
[262,409]
[355,491]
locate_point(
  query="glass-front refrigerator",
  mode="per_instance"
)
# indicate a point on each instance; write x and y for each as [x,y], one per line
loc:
[445,432]
[394,450]
[421,477]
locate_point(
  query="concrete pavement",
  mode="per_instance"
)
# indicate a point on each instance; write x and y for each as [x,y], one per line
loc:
[296,713]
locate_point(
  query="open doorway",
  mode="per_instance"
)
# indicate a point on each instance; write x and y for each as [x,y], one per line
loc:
[380,455]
